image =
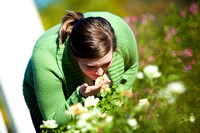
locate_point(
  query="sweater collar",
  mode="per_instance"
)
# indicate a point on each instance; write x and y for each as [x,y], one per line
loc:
[73,76]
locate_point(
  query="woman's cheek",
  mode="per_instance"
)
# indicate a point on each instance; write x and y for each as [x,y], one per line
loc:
[83,68]
[88,70]
[109,65]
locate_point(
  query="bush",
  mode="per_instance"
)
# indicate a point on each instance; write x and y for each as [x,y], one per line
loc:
[166,93]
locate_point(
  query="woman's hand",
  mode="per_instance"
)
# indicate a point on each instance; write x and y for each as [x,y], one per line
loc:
[86,90]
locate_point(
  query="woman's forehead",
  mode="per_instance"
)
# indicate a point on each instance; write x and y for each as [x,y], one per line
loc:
[98,62]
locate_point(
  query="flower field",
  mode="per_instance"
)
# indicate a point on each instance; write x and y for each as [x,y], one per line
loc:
[166,93]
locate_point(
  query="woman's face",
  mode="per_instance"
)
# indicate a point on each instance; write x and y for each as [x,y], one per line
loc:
[96,67]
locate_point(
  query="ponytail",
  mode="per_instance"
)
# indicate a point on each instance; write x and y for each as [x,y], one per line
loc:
[68,22]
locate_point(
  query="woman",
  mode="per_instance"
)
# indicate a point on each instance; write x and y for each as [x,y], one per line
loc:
[68,58]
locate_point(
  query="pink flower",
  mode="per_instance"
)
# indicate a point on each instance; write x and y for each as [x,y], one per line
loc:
[134,19]
[182,14]
[127,19]
[188,52]
[152,17]
[172,31]
[134,31]
[193,8]
[174,53]
[144,19]
[181,53]
[168,36]
[188,67]
[150,59]
[135,95]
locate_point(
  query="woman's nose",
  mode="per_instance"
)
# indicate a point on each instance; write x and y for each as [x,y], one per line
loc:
[99,71]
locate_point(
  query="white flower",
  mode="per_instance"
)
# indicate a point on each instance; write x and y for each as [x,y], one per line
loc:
[172,88]
[77,131]
[176,87]
[164,94]
[109,119]
[143,103]
[84,124]
[91,101]
[94,121]
[192,118]
[68,127]
[95,113]
[83,130]
[85,116]
[81,123]
[49,124]
[87,119]
[88,126]
[119,103]
[140,75]
[100,79]
[75,109]
[104,115]
[151,71]
[133,123]
[156,75]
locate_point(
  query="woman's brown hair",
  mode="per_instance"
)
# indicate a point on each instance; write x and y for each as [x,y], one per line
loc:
[90,38]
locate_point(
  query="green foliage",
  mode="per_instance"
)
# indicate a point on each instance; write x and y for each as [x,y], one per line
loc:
[166,93]
[52,14]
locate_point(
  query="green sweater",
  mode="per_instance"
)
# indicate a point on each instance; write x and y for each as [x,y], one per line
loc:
[52,78]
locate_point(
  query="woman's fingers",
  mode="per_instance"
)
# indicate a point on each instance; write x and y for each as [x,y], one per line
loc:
[87,90]
[83,89]
[104,82]
[97,88]
[84,86]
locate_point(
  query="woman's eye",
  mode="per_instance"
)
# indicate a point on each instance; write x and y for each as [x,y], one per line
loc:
[105,65]
[91,66]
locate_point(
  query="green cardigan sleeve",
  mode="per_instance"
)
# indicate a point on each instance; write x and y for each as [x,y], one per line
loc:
[48,82]
[127,48]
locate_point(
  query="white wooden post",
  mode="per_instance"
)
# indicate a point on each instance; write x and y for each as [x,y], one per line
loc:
[20,27]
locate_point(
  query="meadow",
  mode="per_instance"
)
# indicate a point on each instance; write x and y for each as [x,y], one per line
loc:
[166,93]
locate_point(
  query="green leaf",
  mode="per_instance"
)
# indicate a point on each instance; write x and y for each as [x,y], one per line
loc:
[173,77]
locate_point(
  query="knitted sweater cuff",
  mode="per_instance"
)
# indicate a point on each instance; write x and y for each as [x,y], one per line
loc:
[77,96]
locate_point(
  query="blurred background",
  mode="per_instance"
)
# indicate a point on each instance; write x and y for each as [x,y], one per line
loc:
[51,12]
